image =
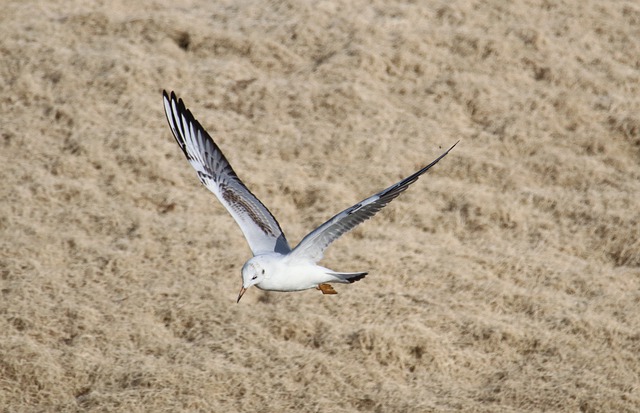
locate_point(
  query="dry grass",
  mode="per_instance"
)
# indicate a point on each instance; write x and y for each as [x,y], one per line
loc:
[507,279]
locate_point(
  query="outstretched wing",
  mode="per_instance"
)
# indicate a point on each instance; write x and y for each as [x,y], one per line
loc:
[258,225]
[313,245]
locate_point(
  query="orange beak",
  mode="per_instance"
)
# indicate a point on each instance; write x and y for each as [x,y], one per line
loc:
[242,291]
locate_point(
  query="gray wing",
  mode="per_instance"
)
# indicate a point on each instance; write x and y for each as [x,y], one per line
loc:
[313,245]
[258,225]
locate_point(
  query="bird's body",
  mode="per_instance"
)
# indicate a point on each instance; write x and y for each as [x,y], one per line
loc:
[275,266]
[284,273]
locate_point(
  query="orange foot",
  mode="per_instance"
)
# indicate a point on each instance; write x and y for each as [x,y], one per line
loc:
[326,289]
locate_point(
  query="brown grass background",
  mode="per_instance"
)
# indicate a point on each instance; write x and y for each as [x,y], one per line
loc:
[506,280]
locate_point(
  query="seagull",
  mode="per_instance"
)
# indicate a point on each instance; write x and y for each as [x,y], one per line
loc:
[274,265]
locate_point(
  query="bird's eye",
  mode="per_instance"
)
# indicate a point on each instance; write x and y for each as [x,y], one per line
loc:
[254,277]
[263,271]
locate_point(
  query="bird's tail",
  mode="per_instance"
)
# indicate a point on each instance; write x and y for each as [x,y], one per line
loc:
[349,277]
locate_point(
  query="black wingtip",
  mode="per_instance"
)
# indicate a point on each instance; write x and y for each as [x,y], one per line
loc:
[435,161]
[398,187]
[445,153]
[170,96]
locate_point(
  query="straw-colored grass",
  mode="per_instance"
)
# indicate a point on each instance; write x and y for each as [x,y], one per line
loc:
[506,280]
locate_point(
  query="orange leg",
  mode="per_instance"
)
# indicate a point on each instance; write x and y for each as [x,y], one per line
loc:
[326,289]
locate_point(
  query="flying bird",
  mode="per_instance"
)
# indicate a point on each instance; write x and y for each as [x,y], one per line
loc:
[275,266]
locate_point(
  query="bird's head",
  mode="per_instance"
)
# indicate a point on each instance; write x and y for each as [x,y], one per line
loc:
[252,273]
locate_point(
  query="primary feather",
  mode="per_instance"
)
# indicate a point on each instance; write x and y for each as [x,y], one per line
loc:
[260,228]
[313,245]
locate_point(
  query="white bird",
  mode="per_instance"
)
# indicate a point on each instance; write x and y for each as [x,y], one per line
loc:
[274,265]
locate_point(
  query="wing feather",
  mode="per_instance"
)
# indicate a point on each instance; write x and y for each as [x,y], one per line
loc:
[260,228]
[313,245]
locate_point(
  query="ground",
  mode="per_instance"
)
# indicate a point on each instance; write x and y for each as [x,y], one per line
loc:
[507,279]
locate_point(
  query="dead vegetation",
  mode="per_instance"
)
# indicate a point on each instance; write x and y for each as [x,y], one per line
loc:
[507,279]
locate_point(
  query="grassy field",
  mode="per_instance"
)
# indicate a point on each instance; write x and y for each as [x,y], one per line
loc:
[507,279]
